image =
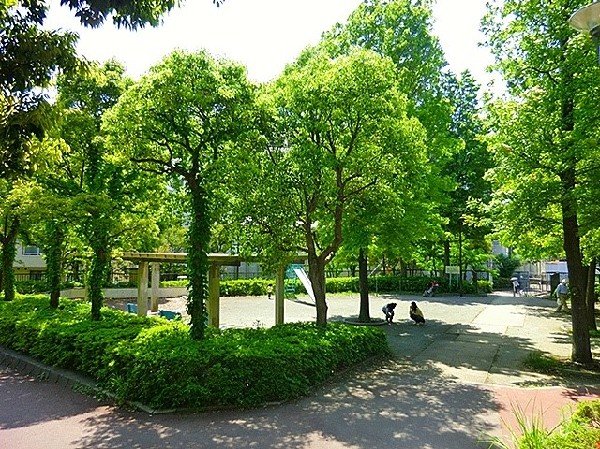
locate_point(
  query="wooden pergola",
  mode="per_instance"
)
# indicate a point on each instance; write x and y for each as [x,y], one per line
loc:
[216,260]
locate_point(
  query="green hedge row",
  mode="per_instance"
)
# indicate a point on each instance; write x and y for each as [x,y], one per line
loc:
[258,287]
[377,284]
[154,361]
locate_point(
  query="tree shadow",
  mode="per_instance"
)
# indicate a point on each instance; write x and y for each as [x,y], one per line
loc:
[41,401]
[388,406]
[422,397]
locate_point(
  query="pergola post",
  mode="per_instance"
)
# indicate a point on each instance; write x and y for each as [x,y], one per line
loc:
[279,295]
[142,299]
[213,294]
[155,284]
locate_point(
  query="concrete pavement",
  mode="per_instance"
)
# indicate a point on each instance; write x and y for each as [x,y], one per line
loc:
[452,384]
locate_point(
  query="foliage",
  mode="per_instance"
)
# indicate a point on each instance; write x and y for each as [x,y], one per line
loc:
[341,131]
[29,59]
[156,362]
[545,140]
[401,211]
[95,197]
[468,223]
[578,431]
[129,14]
[178,121]
[506,265]
[379,284]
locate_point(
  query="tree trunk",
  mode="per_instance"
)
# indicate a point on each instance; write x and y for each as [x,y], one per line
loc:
[581,351]
[460,261]
[199,237]
[446,252]
[9,252]
[363,315]
[316,274]
[54,262]
[98,269]
[590,297]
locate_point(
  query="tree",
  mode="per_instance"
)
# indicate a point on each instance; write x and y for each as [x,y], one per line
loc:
[544,142]
[29,58]
[108,200]
[466,207]
[401,30]
[176,121]
[341,129]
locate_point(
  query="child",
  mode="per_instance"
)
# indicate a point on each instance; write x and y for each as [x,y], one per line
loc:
[388,310]
[415,314]
[269,290]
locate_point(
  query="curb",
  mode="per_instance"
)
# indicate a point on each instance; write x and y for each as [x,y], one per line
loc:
[28,366]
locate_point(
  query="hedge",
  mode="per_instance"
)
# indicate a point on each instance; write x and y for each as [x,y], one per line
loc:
[154,361]
[258,287]
[379,284]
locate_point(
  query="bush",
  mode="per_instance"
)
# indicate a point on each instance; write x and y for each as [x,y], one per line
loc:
[581,430]
[155,361]
[378,284]
[31,287]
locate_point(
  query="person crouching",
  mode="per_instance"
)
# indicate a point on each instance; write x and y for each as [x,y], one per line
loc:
[388,310]
[415,314]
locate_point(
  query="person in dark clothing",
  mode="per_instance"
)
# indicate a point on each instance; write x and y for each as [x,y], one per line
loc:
[388,310]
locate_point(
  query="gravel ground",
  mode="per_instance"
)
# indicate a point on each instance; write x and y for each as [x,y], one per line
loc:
[260,311]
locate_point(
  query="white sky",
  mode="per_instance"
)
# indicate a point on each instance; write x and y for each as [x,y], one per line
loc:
[264,35]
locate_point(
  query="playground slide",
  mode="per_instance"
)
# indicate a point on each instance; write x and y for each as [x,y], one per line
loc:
[305,281]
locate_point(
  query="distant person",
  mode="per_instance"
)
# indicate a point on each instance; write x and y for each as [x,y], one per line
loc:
[388,311]
[269,290]
[515,284]
[415,314]
[431,288]
[562,292]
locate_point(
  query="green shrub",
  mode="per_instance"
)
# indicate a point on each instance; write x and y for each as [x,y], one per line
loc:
[170,284]
[379,284]
[31,287]
[580,430]
[241,367]
[156,362]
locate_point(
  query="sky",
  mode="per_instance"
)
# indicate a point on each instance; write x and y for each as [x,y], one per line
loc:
[264,35]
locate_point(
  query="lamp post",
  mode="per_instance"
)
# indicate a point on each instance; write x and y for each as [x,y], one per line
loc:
[587,19]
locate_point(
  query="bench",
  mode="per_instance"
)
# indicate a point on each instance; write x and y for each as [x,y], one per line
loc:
[132,308]
[169,314]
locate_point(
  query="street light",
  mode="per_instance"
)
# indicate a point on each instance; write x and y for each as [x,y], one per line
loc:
[587,19]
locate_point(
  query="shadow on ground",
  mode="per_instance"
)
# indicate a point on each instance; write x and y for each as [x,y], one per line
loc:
[389,406]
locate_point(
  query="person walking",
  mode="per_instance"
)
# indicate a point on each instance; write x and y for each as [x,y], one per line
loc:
[562,292]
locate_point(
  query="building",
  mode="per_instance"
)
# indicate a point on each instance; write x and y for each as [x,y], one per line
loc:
[29,265]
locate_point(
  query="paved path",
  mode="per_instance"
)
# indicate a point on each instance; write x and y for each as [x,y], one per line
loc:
[453,383]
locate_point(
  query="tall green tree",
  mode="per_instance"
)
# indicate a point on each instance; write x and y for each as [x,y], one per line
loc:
[110,202]
[465,210]
[402,31]
[29,58]
[545,136]
[176,121]
[341,128]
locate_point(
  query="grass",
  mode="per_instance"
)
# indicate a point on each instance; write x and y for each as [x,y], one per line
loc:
[581,430]
[529,434]
[563,368]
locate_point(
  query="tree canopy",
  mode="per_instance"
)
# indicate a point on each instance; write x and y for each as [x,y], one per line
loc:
[544,142]
[177,121]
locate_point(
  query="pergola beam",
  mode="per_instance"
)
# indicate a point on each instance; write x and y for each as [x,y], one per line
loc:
[216,260]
